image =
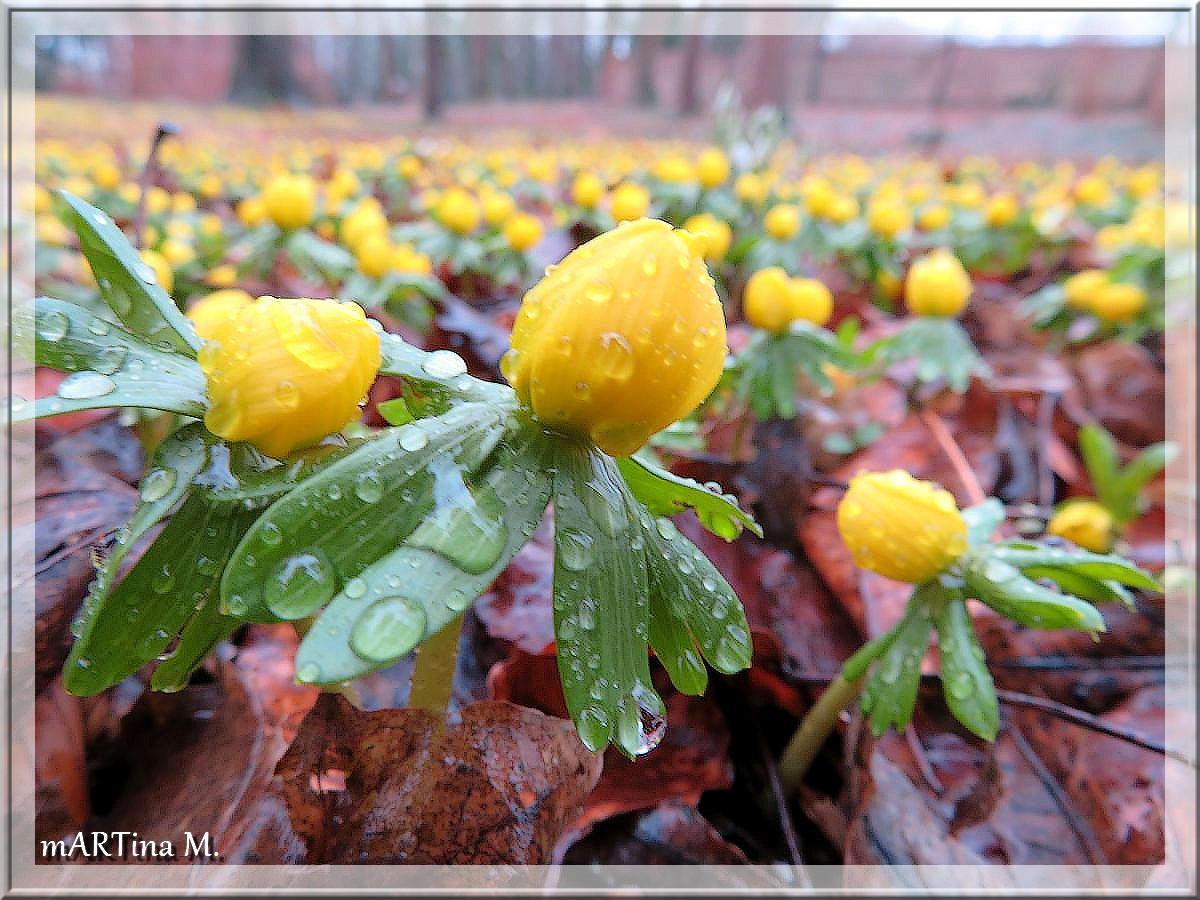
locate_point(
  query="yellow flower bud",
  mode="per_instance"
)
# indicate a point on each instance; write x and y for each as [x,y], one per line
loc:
[162,269]
[223,276]
[283,374]
[712,168]
[782,221]
[625,336]
[290,200]
[629,201]
[1118,302]
[750,188]
[931,218]
[107,176]
[1084,523]
[365,219]
[767,301]
[810,300]
[497,207]
[405,259]
[1081,287]
[1093,190]
[458,211]
[1001,210]
[900,527]
[251,211]
[675,170]
[211,186]
[887,218]
[177,252]
[818,197]
[211,313]
[586,190]
[374,254]
[715,234]
[183,203]
[522,231]
[842,208]
[937,285]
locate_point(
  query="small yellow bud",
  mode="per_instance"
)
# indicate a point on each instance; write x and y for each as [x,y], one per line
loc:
[290,200]
[712,168]
[716,235]
[782,222]
[223,276]
[937,285]
[1118,302]
[1084,523]
[887,218]
[810,300]
[458,211]
[282,374]
[934,217]
[374,254]
[900,527]
[251,211]
[767,301]
[1082,287]
[629,201]
[497,207]
[522,231]
[1001,210]
[586,190]
[211,313]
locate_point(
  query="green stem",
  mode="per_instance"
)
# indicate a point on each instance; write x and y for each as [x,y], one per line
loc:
[815,728]
[433,673]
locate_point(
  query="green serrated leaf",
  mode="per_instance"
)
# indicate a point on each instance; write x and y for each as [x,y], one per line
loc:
[891,690]
[395,411]
[665,494]
[1124,494]
[1101,460]
[173,585]
[943,348]
[675,648]
[413,591]
[1099,566]
[114,367]
[1083,586]
[126,283]
[982,520]
[1002,587]
[966,681]
[338,522]
[442,372]
[601,614]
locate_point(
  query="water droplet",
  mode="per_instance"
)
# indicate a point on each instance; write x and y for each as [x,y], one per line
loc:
[163,580]
[53,327]
[309,673]
[367,487]
[270,534]
[616,356]
[412,438]
[157,484]
[719,610]
[574,549]
[458,600]
[598,291]
[594,727]
[299,585]
[355,588]
[666,529]
[962,686]
[334,492]
[444,364]
[650,266]
[146,273]
[109,359]
[238,605]
[86,386]
[98,327]
[287,395]
[388,629]
[207,566]
[466,527]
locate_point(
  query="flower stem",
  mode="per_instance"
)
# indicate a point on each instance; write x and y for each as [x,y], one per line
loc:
[433,672]
[815,728]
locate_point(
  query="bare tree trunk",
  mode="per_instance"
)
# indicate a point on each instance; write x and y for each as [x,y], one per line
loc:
[480,45]
[689,74]
[263,70]
[644,46]
[435,65]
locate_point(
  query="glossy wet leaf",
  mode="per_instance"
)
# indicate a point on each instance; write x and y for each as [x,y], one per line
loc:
[966,682]
[665,494]
[942,348]
[414,590]
[1099,566]
[1001,586]
[439,377]
[126,283]
[891,689]
[111,366]
[330,529]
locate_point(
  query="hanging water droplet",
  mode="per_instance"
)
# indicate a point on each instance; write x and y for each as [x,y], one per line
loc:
[86,386]
[575,549]
[163,580]
[467,527]
[157,484]
[53,326]
[388,629]
[412,438]
[444,364]
[334,492]
[299,585]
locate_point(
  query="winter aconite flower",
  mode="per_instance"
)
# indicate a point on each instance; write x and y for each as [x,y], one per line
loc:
[1084,523]
[900,527]
[586,190]
[290,201]
[1082,287]
[212,313]
[767,301]
[811,301]
[937,285]
[712,168]
[1117,302]
[716,235]
[282,374]
[629,201]
[782,222]
[625,336]
[522,231]
[458,211]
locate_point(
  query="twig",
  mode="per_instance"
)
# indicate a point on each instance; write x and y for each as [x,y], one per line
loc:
[785,817]
[922,760]
[1067,664]
[1089,721]
[962,468]
[1045,421]
[165,129]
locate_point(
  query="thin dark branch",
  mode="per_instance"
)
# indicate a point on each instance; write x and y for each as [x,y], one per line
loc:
[1045,425]
[785,817]
[926,768]
[1082,663]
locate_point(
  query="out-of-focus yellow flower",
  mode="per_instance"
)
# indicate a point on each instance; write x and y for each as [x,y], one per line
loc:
[458,211]
[522,231]
[51,231]
[211,226]
[107,176]
[365,219]
[162,269]
[842,209]
[888,283]
[405,259]
[1093,190]
[716,235]
[158,200]
[887,218]
[177,253]
[211,186]
[409,167]
[290,200]
[629,201]
[1143,181]
[782,221]
[586,190]
[1117,302]
[183,203]
[933,217]
[1084,523]
[223,276]
[625,336]
[1082,287]
[712,168]
[374,254]
[937,285]
[674,170]
[497,207]
[750,188]
[282,374]
[1001,210]
[900,527]
[251,211]
[767,299]
[211,313]
[811,300]
[1111,238]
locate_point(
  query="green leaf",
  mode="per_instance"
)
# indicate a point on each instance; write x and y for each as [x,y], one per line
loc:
[1100,566]
[601,615]
[114,368]
[1002,587]
[891,690]
[395,411]
[982,520]
[316,256]
[675,648]
[943,349]
[413,591]
[1101,460]
[172,589]
[665,494]
[337,523]
[1082,585]
[781,378]
[966,681]
[126,283]
[1127,486]
[442,374]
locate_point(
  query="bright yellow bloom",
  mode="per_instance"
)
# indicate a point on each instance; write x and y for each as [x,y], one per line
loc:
[223,276]
[497,207]
[818,197]
[365,219]
[211,186]
[1084,523]
[1142,182]
[712,168]
[716,235]
[522,231]
[931,218]
[177,253]
[675,170]
[1093,190]
[183,203]
[900,527]
[290,200]
[51,231]
[212,313]
[1112,237]
[1118,302]
[282,374]
[629,201]
[458,211]
[251,211]
[625,336]
[586,190]
[107,176]
[937,285]
[162,269]
[405,259]
[782,221]
[750,188]
[1081,287]
[374,254]
[810,300]
[767,300]
[1001,210]
[842,208]
[887,218]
